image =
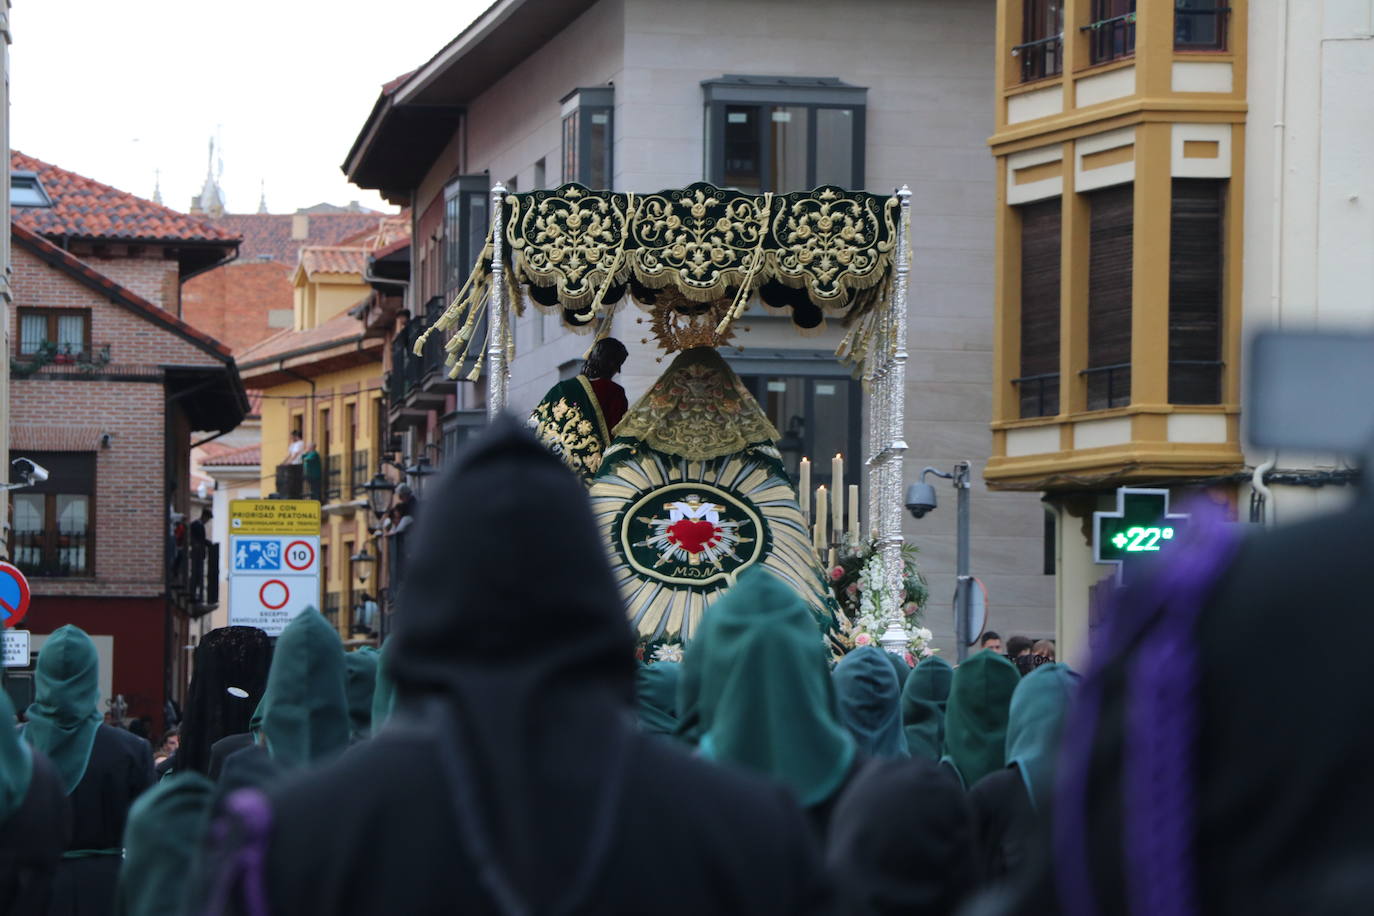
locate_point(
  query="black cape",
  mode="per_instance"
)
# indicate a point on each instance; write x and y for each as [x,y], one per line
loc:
[901,841]
[1010,834]
[31,843]
[228,657]
[512,778]
[120,769]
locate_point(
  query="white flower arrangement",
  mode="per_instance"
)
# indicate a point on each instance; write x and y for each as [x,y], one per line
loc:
[668,652]
[867,605]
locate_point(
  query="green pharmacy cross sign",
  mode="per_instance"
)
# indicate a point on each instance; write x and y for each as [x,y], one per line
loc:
[1141,527]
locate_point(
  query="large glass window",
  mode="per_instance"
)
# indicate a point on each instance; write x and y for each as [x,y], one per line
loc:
[1111,33]
[51,521]
[817,416]
[1042,39]
[66,330]
[783,134]
[1200,25]
[465,229]
[588,137]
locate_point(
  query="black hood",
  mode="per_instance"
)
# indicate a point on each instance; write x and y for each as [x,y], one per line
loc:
[512,641]
[229,657]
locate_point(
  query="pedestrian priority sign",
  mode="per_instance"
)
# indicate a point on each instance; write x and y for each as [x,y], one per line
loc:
[1141,527]
[274,516]
[274,567]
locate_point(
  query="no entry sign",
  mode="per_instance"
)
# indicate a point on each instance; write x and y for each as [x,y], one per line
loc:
[14,595]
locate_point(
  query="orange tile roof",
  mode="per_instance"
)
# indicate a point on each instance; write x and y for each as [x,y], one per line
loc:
[342,328]
[322,260]
[86,209]
[238,457]
[267,236]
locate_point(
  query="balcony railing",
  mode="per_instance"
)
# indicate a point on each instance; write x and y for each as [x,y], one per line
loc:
[1108,386]
[1040,58]
[333,477]
[408,370]
[358,472]
[1039,394]
[1112,38]
[53,554]
[291,481]
[1201,29]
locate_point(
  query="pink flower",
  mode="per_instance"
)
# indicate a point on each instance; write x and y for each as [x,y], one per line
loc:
[837,574]
[910,661]
[852,590]
[910,608]
[862,639]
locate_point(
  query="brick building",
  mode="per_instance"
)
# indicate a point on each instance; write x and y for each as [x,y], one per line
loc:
[109,386]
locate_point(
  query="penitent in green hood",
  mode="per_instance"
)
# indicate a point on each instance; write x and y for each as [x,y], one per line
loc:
[304,710]
[64,717]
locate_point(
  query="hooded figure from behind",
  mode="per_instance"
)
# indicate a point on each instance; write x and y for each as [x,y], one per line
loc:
[102,769]
[924,697]
[976,716]
[656,691]
[33,821]
[360,668]
[869,693]
[1010,804]
[166,824]
[766,700]
[512,762]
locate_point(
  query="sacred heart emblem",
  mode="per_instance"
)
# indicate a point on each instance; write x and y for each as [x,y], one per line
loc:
[692,535]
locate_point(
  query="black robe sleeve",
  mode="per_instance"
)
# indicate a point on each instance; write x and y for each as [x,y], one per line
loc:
[31,844]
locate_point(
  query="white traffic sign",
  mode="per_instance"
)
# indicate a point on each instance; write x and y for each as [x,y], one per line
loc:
[272,578]
[16,648]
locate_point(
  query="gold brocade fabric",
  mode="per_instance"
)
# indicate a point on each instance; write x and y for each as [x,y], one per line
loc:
[698,409]
[569,422]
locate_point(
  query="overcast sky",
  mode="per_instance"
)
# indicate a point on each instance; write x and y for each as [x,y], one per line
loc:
[117,91]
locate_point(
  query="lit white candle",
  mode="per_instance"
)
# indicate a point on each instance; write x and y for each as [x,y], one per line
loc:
[854,514]
[804,489]
[837,484]
[821,518]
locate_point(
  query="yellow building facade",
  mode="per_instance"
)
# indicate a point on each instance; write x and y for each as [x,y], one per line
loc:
[324,380]
[1120,150]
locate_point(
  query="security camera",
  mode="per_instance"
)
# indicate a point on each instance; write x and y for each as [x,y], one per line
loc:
[920,499]
[36,473]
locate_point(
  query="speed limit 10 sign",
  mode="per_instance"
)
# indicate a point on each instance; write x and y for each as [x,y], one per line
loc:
[272,578]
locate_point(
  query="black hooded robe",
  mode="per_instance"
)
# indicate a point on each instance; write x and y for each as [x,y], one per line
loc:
[512,777]
[31,843]
[120,769]
[1009,832]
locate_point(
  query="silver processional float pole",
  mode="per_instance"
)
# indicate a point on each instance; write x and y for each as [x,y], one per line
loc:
[496,313]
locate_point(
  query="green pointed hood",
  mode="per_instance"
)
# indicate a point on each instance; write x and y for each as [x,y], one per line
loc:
[1033,726]
[923,707]
[361,683]
[161,838]
[305,708]
[869,697]
[384,695]
[766,700]
[64,716]
[976,717]
[656,692]
[16,761]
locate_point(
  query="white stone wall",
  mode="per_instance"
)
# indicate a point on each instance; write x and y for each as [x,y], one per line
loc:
[928,66]
[1309,195]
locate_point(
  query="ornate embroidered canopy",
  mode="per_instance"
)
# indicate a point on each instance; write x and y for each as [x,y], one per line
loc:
[693,257]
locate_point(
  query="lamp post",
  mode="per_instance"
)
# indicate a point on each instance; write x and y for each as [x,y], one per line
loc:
[920,499]
[379,493]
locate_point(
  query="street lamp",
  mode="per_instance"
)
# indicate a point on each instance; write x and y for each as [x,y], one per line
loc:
[419,471]
[379,493]
[920,499]
[362,563]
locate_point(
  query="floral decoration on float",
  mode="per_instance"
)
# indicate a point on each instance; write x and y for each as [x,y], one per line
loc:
[867,608]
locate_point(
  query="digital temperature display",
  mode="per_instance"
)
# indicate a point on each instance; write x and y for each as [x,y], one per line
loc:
[1141,526]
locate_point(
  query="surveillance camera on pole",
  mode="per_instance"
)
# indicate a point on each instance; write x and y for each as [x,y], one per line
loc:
[31,471]
[920,500]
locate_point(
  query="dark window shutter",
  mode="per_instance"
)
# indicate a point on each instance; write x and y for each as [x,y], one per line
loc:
[1111,236]
[1195,278]
[1040,240]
